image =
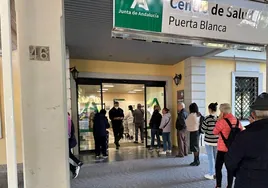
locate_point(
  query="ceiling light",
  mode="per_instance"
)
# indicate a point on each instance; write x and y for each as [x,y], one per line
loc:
[137,90]
[104,89]
[132,92]
[108,86]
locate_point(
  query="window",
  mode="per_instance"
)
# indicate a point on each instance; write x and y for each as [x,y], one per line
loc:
[246,92]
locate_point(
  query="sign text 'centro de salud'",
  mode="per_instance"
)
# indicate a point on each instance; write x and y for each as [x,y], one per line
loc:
[193,18]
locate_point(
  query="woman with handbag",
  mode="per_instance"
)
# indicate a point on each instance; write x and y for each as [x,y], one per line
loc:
[166,128]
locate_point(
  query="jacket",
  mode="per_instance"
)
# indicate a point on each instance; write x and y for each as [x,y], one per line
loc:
[100,125]
[69,126]
[115,113]
[207,128]
[192,122]
[222,126]
[155,120]
[180,122]
[129,117]
[248,156]
[138,115]
[166,123]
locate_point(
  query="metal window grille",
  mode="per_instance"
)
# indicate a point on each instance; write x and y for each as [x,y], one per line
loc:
[246,92]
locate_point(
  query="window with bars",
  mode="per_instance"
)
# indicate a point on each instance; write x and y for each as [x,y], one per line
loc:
[246,92]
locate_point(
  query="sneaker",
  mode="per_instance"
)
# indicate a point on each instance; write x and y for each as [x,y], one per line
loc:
[169,151]
[163,153]
[105,156]
[209,177]
[150,149]
[77,170]
[80,164]
[97,157]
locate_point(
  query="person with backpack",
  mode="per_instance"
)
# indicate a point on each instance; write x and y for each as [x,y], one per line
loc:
[227,128]
[138,115]
[72,143]
[99,131]
[193,126]
[247,157]
[154,124]
[211,140]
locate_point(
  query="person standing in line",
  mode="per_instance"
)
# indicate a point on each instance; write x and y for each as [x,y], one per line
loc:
[72,143]
[181,130]
[192,124]
[166,127]
[223,128]
[129,120]
[99,131]
[247,157]
[211,140]
[155,123]
[139,123]
[116,116]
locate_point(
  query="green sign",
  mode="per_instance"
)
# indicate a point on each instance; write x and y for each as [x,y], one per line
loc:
[139,14]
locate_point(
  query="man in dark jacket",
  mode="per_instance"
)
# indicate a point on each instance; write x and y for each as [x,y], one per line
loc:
[181,130]
[99,131]
[116,115]
[155,122]
[248,155]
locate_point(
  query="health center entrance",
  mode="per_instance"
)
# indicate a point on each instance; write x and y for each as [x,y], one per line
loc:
[96,94]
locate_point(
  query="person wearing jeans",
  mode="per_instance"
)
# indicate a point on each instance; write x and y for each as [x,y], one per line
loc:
[166,127]
[155,122]
[223,127]
[211,140]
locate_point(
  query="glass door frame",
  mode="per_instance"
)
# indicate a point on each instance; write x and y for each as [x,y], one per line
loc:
[155,84]
[100,82]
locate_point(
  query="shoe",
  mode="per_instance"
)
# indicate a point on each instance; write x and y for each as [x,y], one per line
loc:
[209,177]
[195,163]
[117,147]
[105,156]
[180,156]
[151,149]
[163,153]
[97,157]
[80,164]
[169,151]
[136,142]
[142,142]
[77,170]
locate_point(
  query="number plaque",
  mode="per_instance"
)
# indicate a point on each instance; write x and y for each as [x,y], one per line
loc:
[39,53]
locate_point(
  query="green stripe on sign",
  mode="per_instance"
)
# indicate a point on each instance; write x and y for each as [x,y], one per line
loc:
[139,14]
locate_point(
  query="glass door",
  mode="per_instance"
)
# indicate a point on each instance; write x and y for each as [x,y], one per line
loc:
[89,102]
[154,95]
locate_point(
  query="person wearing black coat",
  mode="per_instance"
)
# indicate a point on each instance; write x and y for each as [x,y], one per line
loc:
[99,131]
[247,157]
[116,115]
[155,122]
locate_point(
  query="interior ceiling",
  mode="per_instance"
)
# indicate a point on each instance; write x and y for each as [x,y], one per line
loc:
[88,28]
[118,88]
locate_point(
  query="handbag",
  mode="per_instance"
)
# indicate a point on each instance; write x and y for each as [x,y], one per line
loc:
[161,130]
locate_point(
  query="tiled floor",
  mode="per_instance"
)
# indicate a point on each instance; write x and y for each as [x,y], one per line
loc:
[138,168]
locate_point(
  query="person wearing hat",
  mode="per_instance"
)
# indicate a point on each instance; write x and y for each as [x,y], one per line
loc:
[138,115]
[247,157]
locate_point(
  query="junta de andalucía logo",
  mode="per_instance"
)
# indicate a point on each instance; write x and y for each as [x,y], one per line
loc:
[141,3]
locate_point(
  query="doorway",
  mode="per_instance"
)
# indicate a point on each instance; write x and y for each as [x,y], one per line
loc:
[96,94]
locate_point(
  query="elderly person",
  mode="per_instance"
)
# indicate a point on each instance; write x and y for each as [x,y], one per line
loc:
[223,129]
[248,155]
[138,115]
[181,130]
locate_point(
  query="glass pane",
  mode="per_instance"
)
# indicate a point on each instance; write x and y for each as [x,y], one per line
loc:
[127,95]
[154,96]
[89,102]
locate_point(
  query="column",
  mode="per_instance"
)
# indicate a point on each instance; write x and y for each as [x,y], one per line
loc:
[6,40]
[43,93]
[195,83]
[266,68]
